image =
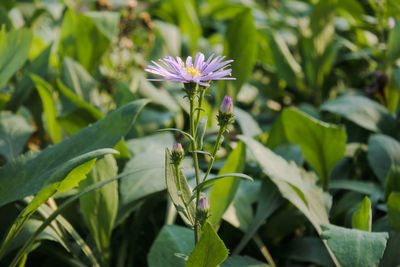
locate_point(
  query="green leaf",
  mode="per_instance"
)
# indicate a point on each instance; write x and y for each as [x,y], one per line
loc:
[14,132]
[45,91]
[269,200]
[172,245]
[57,183]
[24,88]
[383,152]
[210,251]
[357,186]
[322,144]
[393,204]
[223,192]
[100,206]
[295,184]
[362,218]
[14,51]
[392,182]
[107,22]
[363,112]
[80,103]
[186,210]
[81,83]
[393,47]
[201,130]
[248,125]
[217,178]
[242,50]
[82,40]
[354,247]
[242,261]
[26,175]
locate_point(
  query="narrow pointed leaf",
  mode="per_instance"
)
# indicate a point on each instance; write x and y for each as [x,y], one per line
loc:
[362,218]
[215,179]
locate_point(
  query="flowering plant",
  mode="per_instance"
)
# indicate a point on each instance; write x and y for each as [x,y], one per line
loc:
[196,78]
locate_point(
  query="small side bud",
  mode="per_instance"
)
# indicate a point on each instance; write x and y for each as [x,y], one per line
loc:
[227,105]
[177,154]
[203,210]
[225,115]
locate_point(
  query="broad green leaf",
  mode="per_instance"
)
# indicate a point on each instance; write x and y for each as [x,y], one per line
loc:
[287,67]
[217,178]
[24,88]
[201,130]
[308,250]
[363,112]
[80,82]
[172,245]
[49,106]
[242,50]
[185,208]
[392,182]
[14,132]
[82,40]
[17,182]
[322,144]
[14,51]
[354,247]
[210,251]
[248,125]
[223,192]
[242,261]
[56,184]
[79,102]
[383,152]
[107,22]
[269,200]
[148,178]
[393,204]
[357,186]
[295,184]
[391,255]
[100,207]
[393,47]
[362,218]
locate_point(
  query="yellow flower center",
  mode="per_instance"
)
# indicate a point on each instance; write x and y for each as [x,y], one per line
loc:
[192,71]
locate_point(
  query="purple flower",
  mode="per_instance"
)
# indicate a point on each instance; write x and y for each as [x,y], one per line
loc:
[227,105]
[203,204]
[200,72]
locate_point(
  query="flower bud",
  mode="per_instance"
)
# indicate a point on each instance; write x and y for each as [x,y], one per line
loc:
[227,105]
[225,115]
[203,204]
[177,154]
[202,212]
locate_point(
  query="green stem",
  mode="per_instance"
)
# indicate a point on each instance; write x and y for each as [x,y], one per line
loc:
[178,176]
[201,99]
[216,148]
[196,165]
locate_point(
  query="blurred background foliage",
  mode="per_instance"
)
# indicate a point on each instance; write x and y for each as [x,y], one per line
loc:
[318,83]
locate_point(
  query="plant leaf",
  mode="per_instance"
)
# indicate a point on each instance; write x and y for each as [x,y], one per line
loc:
[201,130]
[17,182]
[14,132]
[322,144]
[362,218]
[223,192]
[354,247]
[215,179]
[392,182]
[172,245]
[363,112]
[45,91]
[100,206]
[383,152]
[210,251]
[186,210]
[393,204]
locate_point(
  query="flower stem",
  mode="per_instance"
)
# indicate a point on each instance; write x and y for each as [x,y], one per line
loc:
[201,99]
[216,148]
[196,165]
